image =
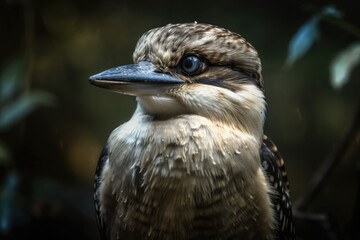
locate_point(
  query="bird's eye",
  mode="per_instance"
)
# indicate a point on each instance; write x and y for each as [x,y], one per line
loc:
[191,65]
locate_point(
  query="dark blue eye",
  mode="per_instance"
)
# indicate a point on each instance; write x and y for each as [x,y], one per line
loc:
[191,65]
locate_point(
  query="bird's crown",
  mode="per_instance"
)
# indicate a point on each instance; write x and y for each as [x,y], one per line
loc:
[166,46]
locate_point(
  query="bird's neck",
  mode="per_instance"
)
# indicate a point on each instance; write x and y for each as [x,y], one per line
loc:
[243,110]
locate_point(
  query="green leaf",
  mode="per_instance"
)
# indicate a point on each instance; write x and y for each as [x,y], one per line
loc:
[303,40]
[22,106]
[308,33]
[7,196]
[343,64]
[11,77]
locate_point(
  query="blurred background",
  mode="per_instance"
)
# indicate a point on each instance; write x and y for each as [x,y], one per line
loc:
[53,123]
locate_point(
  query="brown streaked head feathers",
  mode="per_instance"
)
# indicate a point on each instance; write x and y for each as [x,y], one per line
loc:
[166,46]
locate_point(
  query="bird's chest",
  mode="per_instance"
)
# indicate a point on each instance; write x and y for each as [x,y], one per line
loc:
[174,177]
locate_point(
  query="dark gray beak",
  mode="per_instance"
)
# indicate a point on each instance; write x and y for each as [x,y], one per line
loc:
[142,78]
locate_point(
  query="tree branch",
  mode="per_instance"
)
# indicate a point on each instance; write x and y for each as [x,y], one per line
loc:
[327,167]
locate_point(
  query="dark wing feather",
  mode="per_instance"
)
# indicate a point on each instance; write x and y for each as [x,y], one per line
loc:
[102,160]
[274,167]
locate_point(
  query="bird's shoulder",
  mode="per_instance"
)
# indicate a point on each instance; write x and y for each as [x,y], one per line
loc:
[274,169]
[272,161]
[97,183]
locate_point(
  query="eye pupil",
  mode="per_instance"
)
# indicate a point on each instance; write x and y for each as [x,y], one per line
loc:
[191,65]
[188,63]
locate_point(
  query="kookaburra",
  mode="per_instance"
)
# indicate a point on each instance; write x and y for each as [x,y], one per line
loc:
[192,162]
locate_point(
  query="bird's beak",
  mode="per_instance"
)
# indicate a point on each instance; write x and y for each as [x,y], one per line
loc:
[138,79]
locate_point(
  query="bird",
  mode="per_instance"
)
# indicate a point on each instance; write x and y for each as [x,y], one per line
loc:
[193,161]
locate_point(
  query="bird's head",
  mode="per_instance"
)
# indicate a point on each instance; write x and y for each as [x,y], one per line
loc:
[193,68]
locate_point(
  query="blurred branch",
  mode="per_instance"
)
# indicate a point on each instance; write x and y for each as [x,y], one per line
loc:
[29,41]
[320,218]
[344,25]
[327,167]
[354,226]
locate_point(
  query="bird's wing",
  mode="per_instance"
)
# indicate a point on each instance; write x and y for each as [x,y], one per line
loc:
[274,168]
[102,160]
